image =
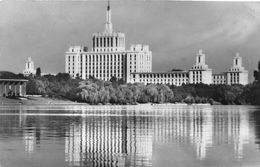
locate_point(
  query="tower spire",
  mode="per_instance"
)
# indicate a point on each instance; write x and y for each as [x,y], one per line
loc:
[108,26]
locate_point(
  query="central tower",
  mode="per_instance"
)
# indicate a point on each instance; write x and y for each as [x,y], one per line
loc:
[108,41]
[108,57]
[109,26]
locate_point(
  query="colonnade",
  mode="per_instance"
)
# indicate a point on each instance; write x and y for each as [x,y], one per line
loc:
[108,42]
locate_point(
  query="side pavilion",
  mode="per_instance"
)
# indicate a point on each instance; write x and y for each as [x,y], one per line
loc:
[13,87]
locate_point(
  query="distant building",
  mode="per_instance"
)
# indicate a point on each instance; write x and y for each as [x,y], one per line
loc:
[235,75]
[29,67]
[108,58]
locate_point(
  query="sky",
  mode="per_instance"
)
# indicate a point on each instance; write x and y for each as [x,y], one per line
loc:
[174,30]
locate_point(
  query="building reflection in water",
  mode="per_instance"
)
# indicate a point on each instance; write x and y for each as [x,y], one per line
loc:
[125,136]
[121,137]
[10,125]
[29,132]
[29,140]
[108,141]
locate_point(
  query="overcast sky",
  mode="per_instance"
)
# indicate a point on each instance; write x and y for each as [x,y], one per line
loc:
[175,31]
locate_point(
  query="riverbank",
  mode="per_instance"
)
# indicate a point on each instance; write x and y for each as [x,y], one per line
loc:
[34,101]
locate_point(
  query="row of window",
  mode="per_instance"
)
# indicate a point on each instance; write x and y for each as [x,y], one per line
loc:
[154,81]
[102,63]
[165,80]
[234,77]
[196,81]
[108,57]
[105,50]
[107,41]
[197,77]
[97,72]
[219,77]
[97,57]
[104,67]
[103,76]
[163,75]
[219,81]
[98,67]
[197,67]
[197,72]
[235,69]
[102,71]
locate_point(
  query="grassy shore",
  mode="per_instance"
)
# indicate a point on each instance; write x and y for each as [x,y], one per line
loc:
[31,100]
[34,101]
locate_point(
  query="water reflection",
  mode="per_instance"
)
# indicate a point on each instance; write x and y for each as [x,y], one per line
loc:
[110,141]
[127,136]
[256,121]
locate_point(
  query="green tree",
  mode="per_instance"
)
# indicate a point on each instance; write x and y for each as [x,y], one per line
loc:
[165,93]
[35,86]
[257,73]
[152,93]
[38,72]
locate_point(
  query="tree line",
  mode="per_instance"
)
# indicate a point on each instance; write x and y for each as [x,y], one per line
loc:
[94,91]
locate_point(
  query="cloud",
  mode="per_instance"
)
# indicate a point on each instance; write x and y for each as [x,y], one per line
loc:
[236,24]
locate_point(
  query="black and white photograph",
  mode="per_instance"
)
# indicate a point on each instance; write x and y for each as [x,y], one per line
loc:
[129,83]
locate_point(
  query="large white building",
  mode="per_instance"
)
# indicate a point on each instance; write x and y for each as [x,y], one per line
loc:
[108,58]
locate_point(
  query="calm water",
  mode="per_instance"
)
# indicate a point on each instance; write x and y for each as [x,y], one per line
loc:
[32,136]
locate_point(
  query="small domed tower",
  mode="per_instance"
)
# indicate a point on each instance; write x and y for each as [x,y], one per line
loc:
[29,67]
[200,72]
[237,73]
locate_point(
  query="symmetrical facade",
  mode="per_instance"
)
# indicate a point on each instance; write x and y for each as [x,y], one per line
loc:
[200,72]
[237,73]
[108,58]
[29,67]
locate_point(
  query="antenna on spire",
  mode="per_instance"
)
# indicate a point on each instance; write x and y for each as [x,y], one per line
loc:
[108,28]
[108,5]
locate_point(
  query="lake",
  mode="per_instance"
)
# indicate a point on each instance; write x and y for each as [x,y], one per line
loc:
[162,135]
